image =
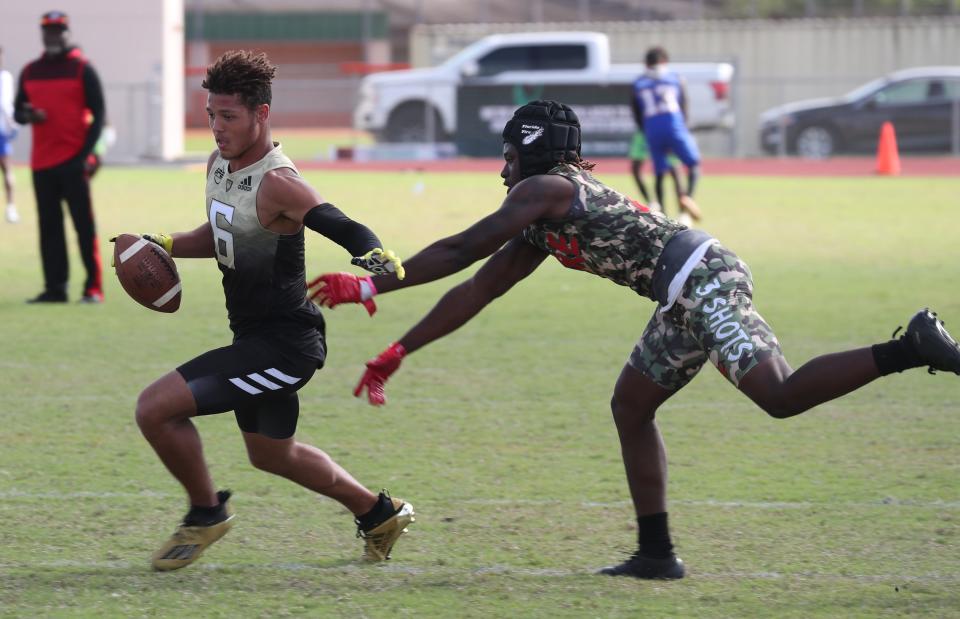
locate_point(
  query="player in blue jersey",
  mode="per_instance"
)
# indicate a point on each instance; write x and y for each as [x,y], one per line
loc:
[660,109]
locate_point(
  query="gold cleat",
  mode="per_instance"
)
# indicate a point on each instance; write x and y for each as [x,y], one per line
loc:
[688,206]
[380,539]
[189,541]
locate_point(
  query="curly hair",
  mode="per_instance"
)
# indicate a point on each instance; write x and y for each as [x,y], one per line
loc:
[243,73]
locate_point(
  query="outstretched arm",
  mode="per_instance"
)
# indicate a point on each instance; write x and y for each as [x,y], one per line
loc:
[284,195]
[538,197]
[508,266]
[286,200]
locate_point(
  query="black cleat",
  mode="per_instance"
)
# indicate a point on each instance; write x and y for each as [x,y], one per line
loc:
[933,345]
[49,296]
[639,566]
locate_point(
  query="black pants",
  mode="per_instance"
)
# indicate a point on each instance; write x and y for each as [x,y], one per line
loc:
[52,186]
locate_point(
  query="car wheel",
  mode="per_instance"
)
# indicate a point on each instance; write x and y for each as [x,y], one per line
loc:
[815,142]
[408,124]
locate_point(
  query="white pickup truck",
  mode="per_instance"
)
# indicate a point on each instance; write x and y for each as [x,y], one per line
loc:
[419,105]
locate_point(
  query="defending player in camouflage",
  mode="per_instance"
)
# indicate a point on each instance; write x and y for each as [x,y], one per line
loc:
[704,293]
[607,233]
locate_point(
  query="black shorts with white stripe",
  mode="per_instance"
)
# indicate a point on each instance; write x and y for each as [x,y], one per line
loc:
[257,377]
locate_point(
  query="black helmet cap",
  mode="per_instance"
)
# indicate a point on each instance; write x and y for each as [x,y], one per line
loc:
[544,133]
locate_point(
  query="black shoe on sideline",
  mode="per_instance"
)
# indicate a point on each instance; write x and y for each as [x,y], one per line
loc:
[935,347]
[639,566]
[48,296]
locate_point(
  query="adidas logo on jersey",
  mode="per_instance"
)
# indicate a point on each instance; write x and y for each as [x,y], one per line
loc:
[246,184]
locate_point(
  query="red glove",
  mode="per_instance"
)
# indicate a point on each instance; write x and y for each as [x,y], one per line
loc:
[332,289]
[378,371]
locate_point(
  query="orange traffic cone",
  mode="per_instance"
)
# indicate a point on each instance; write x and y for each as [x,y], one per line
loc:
[888,157]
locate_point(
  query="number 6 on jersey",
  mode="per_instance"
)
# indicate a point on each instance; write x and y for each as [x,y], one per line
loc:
[222,239]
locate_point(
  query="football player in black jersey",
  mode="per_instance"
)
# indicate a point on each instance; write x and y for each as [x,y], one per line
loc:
[257,208]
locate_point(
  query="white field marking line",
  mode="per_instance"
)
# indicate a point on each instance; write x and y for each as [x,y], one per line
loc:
[21,494]
[141,567]
[717,503]
[36,397]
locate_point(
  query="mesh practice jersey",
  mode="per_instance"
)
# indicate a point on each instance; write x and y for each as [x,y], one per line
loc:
[264,277]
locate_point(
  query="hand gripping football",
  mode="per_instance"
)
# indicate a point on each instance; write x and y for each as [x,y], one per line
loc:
[147,273]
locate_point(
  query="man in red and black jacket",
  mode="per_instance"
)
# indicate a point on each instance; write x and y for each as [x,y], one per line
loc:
[60,95]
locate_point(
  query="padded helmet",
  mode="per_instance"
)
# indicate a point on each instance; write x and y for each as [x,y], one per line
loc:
[544,133]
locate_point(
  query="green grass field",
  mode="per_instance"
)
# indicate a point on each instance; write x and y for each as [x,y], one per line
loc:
[500,434]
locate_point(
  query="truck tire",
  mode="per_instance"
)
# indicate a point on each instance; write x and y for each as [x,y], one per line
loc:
[407,123]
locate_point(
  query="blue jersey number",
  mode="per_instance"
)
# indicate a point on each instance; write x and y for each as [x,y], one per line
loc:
[661,99]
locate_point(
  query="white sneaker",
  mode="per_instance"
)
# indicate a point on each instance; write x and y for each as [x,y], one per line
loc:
[655,206]
[685,219]
[12,215]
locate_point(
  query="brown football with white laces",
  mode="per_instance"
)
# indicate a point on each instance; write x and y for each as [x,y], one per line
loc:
[147,273]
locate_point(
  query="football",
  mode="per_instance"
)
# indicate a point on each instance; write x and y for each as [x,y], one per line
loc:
[147,273]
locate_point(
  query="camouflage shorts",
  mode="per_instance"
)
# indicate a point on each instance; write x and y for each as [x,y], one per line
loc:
[713,318]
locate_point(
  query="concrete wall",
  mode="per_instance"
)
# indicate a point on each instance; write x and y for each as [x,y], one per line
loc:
[136,48]
[777,61]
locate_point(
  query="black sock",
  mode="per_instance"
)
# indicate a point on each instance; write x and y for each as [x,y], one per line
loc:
[895,356]
[380,512]
[654,536]
[205,516]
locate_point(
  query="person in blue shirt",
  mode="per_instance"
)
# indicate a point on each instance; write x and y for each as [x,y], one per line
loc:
[660,110]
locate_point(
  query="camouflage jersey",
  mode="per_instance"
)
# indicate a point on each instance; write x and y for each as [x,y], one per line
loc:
[605,233]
